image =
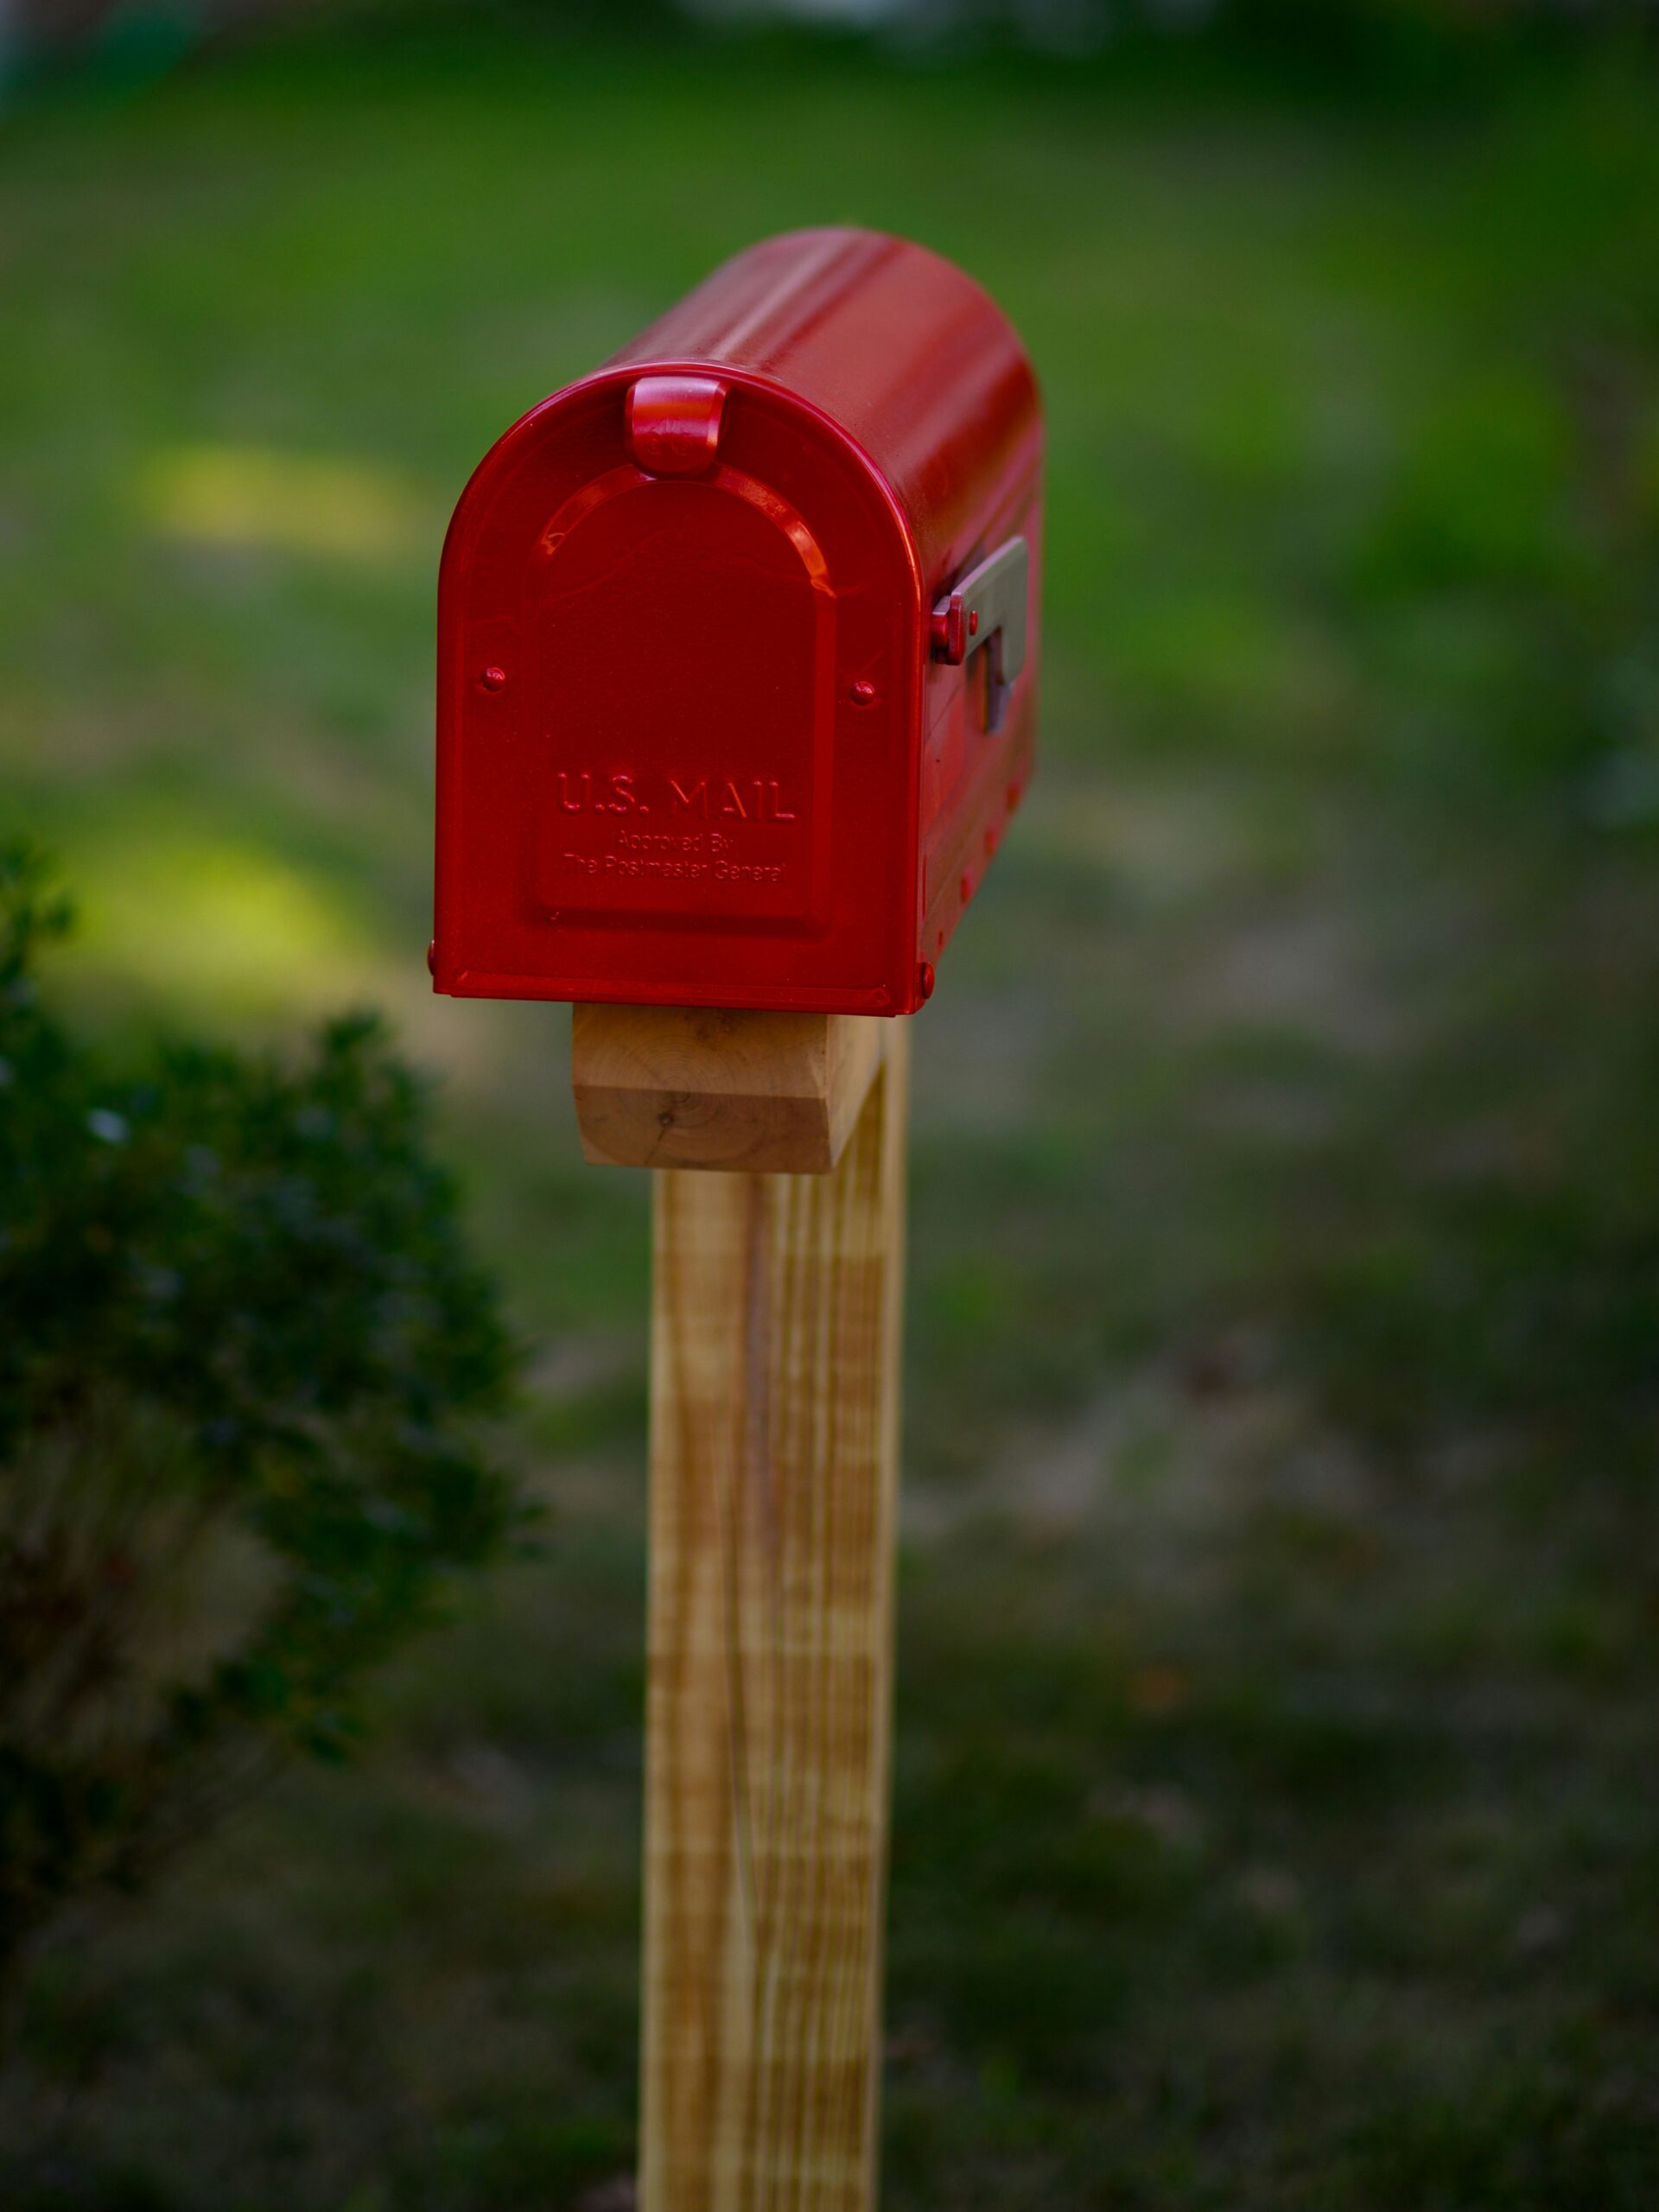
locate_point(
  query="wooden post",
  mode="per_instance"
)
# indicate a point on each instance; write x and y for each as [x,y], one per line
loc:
[773,1474]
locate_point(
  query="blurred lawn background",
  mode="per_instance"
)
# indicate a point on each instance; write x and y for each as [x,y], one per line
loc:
[1277,1817]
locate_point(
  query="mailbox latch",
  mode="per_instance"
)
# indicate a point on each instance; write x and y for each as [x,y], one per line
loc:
[674,423]
[988,609]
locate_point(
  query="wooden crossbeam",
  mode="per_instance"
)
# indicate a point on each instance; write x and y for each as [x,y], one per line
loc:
[660,1086]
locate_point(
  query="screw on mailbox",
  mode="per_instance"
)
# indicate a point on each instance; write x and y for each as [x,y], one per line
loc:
[827,458]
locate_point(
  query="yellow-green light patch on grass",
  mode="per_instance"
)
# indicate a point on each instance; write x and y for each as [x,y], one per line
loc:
[250,496]
[210,925]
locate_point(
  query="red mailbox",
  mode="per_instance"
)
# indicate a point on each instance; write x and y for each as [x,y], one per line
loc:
[738,647]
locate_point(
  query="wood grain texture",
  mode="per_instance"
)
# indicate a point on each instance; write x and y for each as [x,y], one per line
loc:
[774,1449]
[660,1086]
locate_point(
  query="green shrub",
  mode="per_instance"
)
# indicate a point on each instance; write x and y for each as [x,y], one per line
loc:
[240,1344]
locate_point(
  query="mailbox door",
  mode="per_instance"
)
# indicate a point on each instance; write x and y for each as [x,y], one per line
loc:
[683,635]
[678,714]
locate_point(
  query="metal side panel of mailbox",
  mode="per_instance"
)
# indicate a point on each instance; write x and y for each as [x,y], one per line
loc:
[699,742]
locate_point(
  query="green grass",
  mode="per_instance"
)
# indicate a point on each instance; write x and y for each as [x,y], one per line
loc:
[1277,1782]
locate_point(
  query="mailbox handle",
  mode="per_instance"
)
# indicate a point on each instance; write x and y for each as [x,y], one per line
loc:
[988,609]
